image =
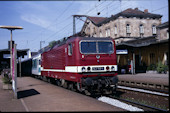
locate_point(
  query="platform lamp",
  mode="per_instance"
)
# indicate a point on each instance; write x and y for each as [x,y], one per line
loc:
[11,28]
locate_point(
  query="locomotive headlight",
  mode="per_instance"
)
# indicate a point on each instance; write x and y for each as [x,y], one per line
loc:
[83,69]
[107,68]
[88,68]
[112,68]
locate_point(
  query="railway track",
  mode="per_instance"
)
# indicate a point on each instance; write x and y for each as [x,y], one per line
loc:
[142,98]
[141,107]
[144,91]
[163,88]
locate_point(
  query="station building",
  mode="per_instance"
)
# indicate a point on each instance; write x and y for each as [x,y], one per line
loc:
[140,36]
[5,56]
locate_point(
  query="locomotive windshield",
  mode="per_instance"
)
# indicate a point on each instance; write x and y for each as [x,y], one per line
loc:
[99,47]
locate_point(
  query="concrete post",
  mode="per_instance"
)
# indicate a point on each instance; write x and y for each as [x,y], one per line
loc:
[14,72]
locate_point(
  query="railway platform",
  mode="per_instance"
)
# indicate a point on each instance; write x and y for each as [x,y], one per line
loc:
[157,82]
[37,95]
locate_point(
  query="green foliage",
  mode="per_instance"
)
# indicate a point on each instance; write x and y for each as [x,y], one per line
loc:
[161,67]
[151,67]
[52,43]
[6,79]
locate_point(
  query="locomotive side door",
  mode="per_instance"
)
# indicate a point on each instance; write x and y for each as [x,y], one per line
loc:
[68,54]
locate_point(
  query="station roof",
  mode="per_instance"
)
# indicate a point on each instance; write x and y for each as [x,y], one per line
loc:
[163,25]
[20,52]
[141,42]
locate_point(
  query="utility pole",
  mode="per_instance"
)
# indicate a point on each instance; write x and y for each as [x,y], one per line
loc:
[41,43]
[120,5]
[74,24]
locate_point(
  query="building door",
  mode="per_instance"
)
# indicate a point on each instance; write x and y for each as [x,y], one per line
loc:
[137,60]
[137,68]
[152,58]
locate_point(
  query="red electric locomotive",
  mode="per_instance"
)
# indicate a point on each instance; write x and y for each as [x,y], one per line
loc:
[86,63]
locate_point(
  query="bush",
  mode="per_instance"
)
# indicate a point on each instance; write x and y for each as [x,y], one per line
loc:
[151,67]
[6,79]
[161,67]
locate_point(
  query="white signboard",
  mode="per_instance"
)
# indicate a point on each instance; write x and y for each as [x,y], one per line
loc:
[6,56]
[121,51]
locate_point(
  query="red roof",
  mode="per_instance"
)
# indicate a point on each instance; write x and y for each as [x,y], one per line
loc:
[135,11]
[96,20]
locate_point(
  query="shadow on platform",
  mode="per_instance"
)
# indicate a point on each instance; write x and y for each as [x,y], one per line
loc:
[27,93]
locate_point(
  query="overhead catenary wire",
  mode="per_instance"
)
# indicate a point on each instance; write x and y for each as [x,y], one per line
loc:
[76,23]
[159,8]
[59,31]
[67,19]
[60,15]
[51,36]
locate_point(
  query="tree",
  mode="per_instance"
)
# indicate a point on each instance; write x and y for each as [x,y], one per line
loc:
[52,43]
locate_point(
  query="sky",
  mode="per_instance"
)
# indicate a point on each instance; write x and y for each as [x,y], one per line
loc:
[52,20]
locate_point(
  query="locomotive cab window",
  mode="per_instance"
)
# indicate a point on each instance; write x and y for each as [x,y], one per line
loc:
[70,49]
[99,47]
[105,47]
[88,47]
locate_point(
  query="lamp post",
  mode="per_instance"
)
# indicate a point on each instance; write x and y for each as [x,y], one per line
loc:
[11,28]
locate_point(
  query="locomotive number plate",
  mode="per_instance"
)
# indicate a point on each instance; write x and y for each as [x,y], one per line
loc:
[97,68]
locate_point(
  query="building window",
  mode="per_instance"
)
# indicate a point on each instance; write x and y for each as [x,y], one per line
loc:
[108,31]
[167,34]
[166,58]
[100,34]
[94,35]
[128,30]
[115,30]
[88,30]
[154,29]
[141,30]
[93,29]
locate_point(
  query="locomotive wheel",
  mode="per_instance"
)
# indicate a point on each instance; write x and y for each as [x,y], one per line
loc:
[65,85]
[87,92]
[71,87]
[44,78]
[48,80]
[52,80]
[41,77]
[114,89]
[58,82]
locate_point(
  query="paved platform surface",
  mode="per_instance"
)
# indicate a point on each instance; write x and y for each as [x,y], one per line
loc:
[146,77]
[37,95]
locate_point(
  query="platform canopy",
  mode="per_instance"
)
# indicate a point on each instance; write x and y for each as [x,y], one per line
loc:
[11,27]
[20,52]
